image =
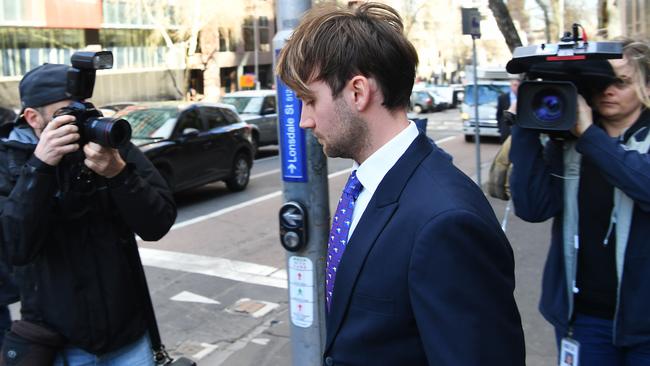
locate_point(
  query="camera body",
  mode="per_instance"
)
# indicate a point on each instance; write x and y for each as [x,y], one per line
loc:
[108,132]
[556,74]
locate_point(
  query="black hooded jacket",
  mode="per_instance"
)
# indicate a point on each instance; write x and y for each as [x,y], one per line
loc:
[72,243]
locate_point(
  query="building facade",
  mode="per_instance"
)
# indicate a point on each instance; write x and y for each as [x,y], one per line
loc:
[161,48]
[635,18]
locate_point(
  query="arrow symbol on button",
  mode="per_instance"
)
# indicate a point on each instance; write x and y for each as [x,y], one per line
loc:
[292,168]
[290,217]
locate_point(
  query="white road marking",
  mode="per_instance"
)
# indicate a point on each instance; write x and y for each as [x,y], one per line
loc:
[268,307]
[446,139]
[265,173]
[265,197]
[221,267]
[216,267]
[186,296]
[207,349]
[226,210]
[261,341]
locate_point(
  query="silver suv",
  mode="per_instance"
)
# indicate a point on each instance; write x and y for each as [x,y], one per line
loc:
[258,108]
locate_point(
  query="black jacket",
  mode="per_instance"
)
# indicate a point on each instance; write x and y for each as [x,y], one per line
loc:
[73,247]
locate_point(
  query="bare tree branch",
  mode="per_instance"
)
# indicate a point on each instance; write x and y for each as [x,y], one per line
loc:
[505,24]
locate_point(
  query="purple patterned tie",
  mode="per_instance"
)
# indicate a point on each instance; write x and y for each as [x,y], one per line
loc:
[339,232]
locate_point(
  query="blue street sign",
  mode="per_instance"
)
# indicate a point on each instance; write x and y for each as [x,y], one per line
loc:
[292,137]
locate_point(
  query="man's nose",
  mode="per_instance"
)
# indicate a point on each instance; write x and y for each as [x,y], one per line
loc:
[306,121]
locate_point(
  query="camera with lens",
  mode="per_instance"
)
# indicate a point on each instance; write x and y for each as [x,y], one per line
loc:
[93,126]
[556,74]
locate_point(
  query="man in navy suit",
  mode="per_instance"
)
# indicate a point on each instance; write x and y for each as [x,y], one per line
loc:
[419,271]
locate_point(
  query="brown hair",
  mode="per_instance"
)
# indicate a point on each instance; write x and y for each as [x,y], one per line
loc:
[333,44]
[638,55]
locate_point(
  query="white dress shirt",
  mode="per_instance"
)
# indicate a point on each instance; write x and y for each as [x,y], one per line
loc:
[373,170]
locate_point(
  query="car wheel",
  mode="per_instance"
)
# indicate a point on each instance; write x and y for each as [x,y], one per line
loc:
[469,138]
[240,175]
[417,109]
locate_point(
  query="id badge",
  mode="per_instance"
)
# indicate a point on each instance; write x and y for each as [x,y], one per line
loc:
[569,352]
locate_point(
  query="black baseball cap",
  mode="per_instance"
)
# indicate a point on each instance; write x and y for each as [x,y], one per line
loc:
[43,85]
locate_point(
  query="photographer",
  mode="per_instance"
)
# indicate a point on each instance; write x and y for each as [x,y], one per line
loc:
[596,286]
[70,237]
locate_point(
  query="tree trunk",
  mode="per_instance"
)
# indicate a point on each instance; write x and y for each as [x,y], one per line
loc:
[505,24]
[547,21]
[603,19]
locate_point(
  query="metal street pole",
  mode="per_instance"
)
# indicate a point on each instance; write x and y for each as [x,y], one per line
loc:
[256,38]
[471,21]
[304,216]
[477,128]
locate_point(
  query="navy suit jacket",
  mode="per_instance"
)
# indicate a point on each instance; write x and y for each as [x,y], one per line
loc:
[427,277]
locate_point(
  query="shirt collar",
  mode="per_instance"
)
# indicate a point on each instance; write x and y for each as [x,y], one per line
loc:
[372,171]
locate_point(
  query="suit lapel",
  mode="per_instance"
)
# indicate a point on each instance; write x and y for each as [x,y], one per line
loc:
[373,221]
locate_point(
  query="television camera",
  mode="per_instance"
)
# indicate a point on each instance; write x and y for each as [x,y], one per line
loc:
[556,74]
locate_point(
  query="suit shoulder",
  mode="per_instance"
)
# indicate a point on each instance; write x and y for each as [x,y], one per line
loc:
[440,185]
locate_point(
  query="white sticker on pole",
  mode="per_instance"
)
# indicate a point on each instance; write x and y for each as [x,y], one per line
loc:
[301,291]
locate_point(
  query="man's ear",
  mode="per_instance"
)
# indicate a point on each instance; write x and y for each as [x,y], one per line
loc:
[362,91]
[33,118]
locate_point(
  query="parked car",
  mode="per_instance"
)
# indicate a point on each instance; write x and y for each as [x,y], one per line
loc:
[108,110]
[257,107]
[193,144]
[445,96]
[422,101]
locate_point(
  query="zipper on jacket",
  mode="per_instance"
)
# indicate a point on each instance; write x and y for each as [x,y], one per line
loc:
[612,222]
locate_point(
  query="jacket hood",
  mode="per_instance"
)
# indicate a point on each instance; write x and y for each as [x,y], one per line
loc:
[21,136]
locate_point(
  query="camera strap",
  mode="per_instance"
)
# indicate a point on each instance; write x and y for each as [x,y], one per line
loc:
[160,355]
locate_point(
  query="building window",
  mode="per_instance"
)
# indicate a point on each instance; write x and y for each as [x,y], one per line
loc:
[141,13]
[226,40]
[13,11]
[264,34]
[223,39]
[248,35]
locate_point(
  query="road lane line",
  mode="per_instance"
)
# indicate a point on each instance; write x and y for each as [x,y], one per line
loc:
[266,197]
[229,269]
[226,210]
[265,174]
[446,139]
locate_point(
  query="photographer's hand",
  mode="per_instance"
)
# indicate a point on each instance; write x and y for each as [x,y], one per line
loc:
[583,121]
[59,137]
[102,160]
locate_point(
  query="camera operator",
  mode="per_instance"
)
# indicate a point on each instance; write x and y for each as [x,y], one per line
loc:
[72,241]
[596,286]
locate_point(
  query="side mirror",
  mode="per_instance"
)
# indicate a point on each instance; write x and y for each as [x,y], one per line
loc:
[190,131]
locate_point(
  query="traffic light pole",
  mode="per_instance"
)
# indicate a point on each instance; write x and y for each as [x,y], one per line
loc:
[304,216]
[477,128]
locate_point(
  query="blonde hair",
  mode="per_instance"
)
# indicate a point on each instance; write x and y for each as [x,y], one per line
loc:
[637,53]
[333,44]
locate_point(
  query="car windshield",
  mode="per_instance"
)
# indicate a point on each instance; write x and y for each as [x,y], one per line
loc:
[486,93]
[251,105]
[151,122]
